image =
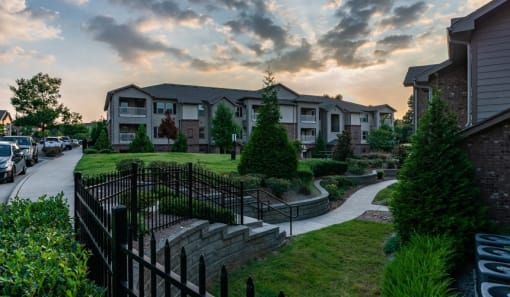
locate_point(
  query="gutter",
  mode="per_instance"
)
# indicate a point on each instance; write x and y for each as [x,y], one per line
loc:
[469,115]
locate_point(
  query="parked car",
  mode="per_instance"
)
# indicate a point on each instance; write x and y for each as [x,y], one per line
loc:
[12,161]
[52,146]
[67,142]
[28,145]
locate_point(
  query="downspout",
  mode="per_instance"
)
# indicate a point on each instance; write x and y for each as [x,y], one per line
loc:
[469,120]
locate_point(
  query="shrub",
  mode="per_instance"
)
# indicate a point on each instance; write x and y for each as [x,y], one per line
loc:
[126,164]
[38,253]
[102,141]
[90,151]
[180,144]
[380,174]
[343,147]
[178,205]
[106,151]
[141,143]
[145,199]
[328,167]
[278,186]
[162,164]
[336,186]
[421,268]
[357,167]
[375,163]
[392,244]
[390,164]
[437,191]
[305,175]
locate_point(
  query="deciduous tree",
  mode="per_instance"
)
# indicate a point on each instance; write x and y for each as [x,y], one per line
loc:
[167,128]
[223,126]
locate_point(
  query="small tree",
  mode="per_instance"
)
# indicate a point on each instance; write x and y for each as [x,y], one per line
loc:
[382,139]
[96,131]
[181,144]
[437,191]
[223,127]
[102,141]
[343,148]
[320,146]
[167,128]
[141,143]
[269,150]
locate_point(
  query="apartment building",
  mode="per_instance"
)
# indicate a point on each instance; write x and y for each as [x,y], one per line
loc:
[194,107]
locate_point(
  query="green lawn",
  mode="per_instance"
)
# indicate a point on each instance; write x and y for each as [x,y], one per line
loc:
[93,164]
[384,196]
[341,260]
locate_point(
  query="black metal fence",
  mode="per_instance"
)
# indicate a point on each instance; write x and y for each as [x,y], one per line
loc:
[112,209]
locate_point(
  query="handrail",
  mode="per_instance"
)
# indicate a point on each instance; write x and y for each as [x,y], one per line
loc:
[261,203]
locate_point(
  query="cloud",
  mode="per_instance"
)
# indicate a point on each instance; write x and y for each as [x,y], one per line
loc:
[405,15]
[296,59]
[230,4]
[20,55]
[77,2]
[165,9]
[131,45]
[19,22]
[392,43]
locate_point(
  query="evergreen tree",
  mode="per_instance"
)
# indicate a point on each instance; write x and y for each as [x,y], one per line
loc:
[223,127]
[102,141]
[437,191]
[181,144]
[409,116]
[343,147]
[141,143]
[320,146]
[269,150]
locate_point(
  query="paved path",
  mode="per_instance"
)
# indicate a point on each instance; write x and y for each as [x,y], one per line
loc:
[359,202]
[52,177]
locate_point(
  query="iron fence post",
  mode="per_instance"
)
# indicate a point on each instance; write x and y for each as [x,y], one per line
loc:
[242,203]
[77,179]
[119,239]
[190,189]
[134,198]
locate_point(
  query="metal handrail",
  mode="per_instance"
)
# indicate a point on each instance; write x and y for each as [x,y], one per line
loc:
[267,203]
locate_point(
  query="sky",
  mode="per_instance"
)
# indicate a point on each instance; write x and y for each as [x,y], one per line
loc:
[358,48]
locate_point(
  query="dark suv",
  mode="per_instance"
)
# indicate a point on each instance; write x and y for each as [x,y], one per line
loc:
[28,145]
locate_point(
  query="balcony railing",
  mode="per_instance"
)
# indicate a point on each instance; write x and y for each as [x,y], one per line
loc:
[307,138]
[127,137]
[133,111]
[387,122]
[308,118]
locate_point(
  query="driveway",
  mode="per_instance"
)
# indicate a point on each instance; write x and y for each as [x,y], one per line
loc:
[51,177]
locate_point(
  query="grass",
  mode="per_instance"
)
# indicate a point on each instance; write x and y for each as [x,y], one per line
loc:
[93,164]
[384,196]
[341,260]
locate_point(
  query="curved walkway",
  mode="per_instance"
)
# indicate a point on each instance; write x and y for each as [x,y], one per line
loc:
[359,202]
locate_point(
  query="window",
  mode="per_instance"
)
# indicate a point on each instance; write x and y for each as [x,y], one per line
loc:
[161,107]
[364,117]
[190,133]
[335,123]
[364,135]
[156,132]
[201,110]
[201,133]
[239,111]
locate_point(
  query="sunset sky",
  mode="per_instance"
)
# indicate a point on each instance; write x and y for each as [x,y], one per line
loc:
[358,48]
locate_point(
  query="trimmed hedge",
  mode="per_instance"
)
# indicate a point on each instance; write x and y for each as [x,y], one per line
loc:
[278,186]
[178,205]
[328,167]
[420,268]
[38,253]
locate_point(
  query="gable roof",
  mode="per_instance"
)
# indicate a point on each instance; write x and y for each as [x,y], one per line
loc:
[109,94]
[423,73]
[467,23]
[4,114]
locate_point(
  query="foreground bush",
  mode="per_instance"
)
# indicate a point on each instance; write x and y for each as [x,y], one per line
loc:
[38,253]
[420,269]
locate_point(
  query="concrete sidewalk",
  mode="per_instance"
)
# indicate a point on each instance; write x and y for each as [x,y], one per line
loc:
[52,177]
[359,202]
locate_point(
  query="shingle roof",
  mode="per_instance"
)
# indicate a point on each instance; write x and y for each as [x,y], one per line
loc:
[414,72]
[467,23]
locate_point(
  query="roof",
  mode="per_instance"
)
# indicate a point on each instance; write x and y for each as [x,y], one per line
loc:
[423,73]
[487,123]
[467,23]
[201,94]
[110,93]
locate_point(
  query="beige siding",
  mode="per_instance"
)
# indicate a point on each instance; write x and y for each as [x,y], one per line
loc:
[288,114]
[190,112]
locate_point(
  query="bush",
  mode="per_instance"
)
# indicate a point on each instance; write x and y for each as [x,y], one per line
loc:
[343,147]
[421,268]
[357,167]
[251,181]
[141,143]
[380,174]
[162,164]
[126,164]
[178,205]
[304,181]
[278,186]
[328,167]
[392,244]
[90,151]
[180,144]
[336,186]
[105,151]
[38,253]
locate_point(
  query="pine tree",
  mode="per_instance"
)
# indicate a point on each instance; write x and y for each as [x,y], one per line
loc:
[181,144]
[437,191]
[269,150]
[223,127]
[102,142]
[141,143]
[343,148]
[320,146]
[409,116]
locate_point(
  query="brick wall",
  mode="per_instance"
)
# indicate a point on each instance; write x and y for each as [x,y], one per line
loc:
[453,85]
[190,128]
[291,131]
[489,151]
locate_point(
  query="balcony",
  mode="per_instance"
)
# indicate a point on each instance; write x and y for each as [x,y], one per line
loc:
[133,111]
[307,138]
[127,137]
[307,118]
